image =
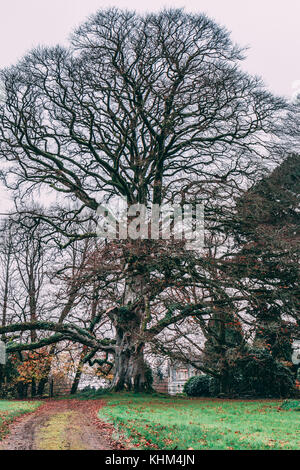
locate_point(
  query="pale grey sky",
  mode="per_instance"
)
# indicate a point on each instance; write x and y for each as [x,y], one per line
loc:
[270,27]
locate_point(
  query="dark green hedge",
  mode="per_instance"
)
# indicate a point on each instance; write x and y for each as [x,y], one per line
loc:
[197,386]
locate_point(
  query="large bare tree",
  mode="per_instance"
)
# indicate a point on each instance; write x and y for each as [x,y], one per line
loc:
[150,108]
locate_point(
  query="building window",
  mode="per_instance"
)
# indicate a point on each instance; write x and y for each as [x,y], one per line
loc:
[182,374]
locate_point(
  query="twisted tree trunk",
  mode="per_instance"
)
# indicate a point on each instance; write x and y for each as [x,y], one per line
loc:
[130,369]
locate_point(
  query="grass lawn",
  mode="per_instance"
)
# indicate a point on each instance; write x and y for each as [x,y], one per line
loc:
[154,422]
[12,409]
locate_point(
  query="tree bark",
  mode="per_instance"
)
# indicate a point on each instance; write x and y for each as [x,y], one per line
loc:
[41,386]
[78,374]
[22,390]
[76,380]
[130,369]
[33,388]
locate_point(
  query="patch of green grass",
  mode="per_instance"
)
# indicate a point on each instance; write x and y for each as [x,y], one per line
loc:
[61,432]
[158,422]
[9,410]
[291,405]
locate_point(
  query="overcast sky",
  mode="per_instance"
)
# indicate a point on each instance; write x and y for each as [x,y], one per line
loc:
[271,29]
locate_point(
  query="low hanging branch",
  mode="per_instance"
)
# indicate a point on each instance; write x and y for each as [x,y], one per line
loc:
[63,332]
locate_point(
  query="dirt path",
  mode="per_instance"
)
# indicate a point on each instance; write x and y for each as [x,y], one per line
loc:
[62,425]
